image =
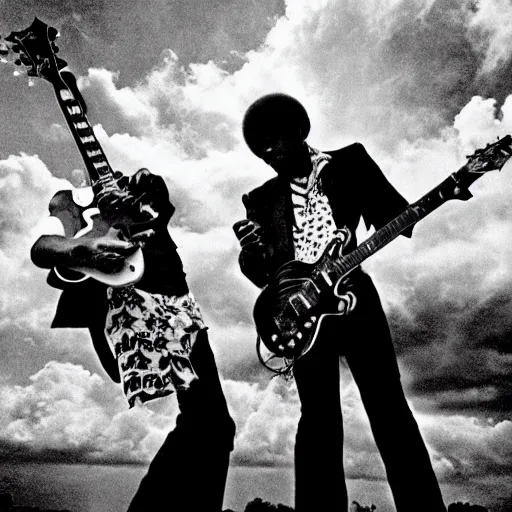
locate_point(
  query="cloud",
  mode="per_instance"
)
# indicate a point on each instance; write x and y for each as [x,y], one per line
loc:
[468,448]
[70,414]
[463,448]
[447,290]
[67,414]
[266,421]
[422,84]
[493,24]
[130,37]
[26,301]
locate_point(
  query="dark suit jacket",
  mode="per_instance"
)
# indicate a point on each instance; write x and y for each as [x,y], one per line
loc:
[84,304]
[355,188]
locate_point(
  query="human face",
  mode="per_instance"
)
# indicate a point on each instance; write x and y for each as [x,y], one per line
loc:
[286,153]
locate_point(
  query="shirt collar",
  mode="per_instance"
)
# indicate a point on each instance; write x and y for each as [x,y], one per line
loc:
[318,161]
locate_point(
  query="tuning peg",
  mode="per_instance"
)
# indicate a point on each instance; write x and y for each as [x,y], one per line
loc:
[53,33]
[61,63]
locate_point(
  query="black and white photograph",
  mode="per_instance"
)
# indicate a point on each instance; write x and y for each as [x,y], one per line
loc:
[256,255]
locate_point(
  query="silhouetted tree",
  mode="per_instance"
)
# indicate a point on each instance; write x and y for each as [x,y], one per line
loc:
[258,505]
[465,507]
[356,507]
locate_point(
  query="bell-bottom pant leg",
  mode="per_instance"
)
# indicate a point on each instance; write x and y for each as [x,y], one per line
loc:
[363,338]
[371,358]
[190,469]
[319,475]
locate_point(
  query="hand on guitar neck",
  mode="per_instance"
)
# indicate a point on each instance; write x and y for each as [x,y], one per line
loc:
[125,199]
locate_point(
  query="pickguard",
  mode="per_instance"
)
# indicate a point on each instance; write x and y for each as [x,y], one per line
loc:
[89,221]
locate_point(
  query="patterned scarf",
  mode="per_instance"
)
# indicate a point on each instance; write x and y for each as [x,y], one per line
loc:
[314,224]
[303,185]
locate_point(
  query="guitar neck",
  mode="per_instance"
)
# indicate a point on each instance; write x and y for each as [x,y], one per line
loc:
[413,214]
[96,163]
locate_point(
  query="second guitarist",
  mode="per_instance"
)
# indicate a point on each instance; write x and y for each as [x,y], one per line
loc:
[292,217]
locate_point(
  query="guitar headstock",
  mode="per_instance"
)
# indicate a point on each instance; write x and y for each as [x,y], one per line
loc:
[34,48]
[491,158]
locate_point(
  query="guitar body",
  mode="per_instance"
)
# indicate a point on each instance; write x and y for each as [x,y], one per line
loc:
[99,227]
[289,311]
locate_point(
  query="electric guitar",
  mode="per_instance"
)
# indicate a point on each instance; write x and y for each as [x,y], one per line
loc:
[289,311]
[34,48]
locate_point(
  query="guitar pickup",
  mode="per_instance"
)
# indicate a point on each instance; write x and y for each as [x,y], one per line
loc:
[300,304]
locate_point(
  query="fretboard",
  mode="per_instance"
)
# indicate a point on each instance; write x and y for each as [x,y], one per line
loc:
[336,268]
[94,158]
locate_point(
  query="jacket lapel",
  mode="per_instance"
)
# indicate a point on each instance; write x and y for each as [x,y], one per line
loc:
[335,188]
[283,218]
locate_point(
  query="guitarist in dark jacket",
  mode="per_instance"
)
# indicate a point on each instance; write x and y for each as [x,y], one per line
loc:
[156,332]
[293,216]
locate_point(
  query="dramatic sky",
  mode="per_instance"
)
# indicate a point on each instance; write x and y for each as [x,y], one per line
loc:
[421,83]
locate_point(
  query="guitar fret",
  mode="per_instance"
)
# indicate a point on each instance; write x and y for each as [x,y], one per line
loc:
[66,95]
[353,260]
[326,277]
[87,132]
[99,158]
[304,301]
[90,146]
[74,110]
[82,125]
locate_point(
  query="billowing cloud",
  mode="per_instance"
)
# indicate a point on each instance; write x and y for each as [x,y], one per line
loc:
[422,84]
[447,290]
[67,413]
[131,36]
